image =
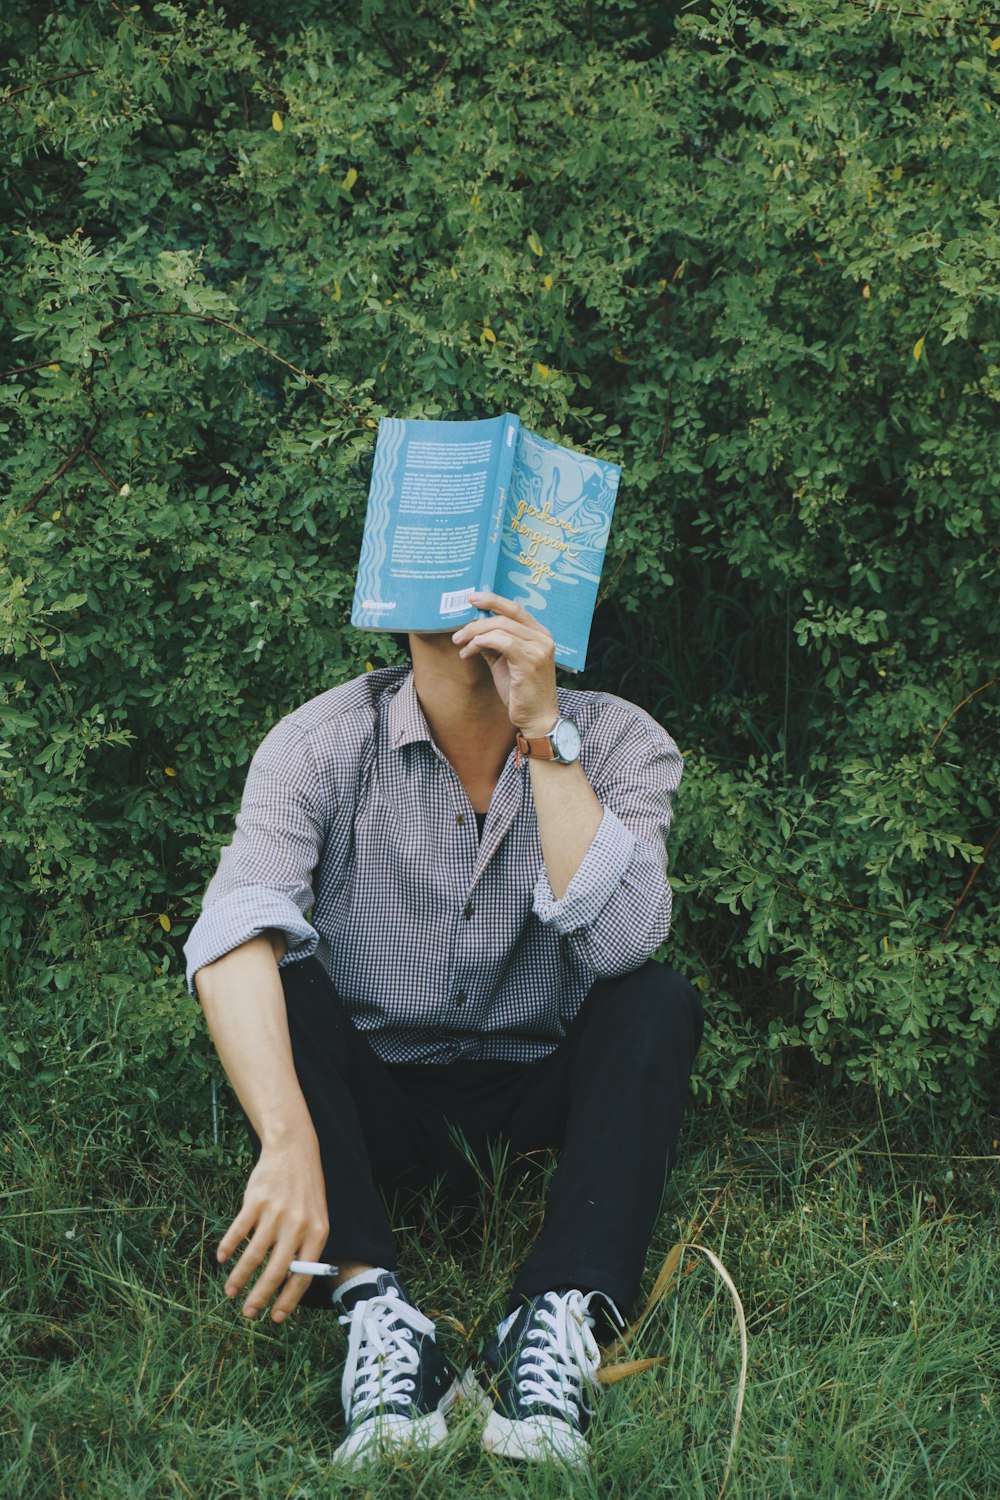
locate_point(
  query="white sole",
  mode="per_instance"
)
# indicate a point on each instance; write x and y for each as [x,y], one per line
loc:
[535,1440]
[381,1435]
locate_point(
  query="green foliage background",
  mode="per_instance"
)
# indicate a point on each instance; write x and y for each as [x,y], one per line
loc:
[750,252]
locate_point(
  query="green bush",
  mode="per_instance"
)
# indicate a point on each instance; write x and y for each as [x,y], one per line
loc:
[749,252]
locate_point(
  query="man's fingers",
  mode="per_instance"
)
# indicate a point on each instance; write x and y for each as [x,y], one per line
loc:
[516,629]
[534,650]
[252,1257]
[270,1279]
[490,640]
[276,1277]
[279,1251]
[525,630]
[501,606]
[291,1294]
[237,1232]
[311,1248]
[268,1282]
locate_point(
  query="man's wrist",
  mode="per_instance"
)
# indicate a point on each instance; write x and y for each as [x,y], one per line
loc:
[538,727]
[292,1127]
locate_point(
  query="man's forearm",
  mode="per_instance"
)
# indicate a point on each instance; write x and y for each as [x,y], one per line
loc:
[520,654]
[244,1005]
[284,1214]
[568,815]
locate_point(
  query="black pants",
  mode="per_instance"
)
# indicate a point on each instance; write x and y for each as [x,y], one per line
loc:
[609,1099]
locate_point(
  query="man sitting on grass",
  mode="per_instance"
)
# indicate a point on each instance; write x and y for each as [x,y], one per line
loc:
[482,858]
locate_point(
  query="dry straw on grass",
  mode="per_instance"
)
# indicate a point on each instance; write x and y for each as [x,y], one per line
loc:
[611,1373]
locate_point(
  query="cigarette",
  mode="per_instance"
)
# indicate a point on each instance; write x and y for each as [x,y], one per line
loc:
[312,1268]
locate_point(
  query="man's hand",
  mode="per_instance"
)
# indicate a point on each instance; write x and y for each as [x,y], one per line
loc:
[284,1211]
[521,656]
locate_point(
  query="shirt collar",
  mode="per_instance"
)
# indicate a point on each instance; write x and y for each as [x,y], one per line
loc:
[407,724]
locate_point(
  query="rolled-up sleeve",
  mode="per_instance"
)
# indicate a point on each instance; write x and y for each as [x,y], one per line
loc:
[265,876]
[616,910]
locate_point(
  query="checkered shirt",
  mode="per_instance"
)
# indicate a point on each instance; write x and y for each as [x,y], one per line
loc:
[357,841]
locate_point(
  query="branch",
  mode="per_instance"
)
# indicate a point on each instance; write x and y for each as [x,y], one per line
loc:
[40,83]
[968,884]
[66,464]
[807,898]
[43,364]
[43,653]
[102,470]
[919,15]
[179,312]
[610,583]
[135,25]
[992,683]
[668,406]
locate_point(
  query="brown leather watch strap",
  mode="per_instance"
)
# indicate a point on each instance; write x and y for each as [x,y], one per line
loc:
[542,749]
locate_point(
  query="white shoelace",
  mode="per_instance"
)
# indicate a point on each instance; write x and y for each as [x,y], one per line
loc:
[382,1356]
[564,1358]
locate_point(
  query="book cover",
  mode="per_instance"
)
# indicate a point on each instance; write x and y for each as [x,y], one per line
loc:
[459,506]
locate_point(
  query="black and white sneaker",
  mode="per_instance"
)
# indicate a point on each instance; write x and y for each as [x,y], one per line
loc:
[397,1386]
[539,1376]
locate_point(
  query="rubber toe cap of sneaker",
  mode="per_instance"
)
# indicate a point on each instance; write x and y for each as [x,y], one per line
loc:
[538,1439]
[383,1433]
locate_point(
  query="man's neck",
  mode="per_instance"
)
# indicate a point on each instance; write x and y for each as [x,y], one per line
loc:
[465,714]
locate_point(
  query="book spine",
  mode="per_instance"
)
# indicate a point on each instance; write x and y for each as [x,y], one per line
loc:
[494,537]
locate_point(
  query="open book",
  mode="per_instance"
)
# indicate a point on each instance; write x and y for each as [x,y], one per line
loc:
[459,506]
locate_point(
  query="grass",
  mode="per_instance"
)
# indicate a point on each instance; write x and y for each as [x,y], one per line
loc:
[870,1281]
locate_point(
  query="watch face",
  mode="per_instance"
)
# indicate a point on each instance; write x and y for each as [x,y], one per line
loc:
[566,740]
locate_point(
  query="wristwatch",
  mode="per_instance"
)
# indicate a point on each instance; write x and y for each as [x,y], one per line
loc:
[562,743]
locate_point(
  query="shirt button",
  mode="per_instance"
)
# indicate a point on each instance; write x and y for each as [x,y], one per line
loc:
[460,819]
[460,998]
[467,913]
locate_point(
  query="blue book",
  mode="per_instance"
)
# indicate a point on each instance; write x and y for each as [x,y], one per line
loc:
[459,506]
